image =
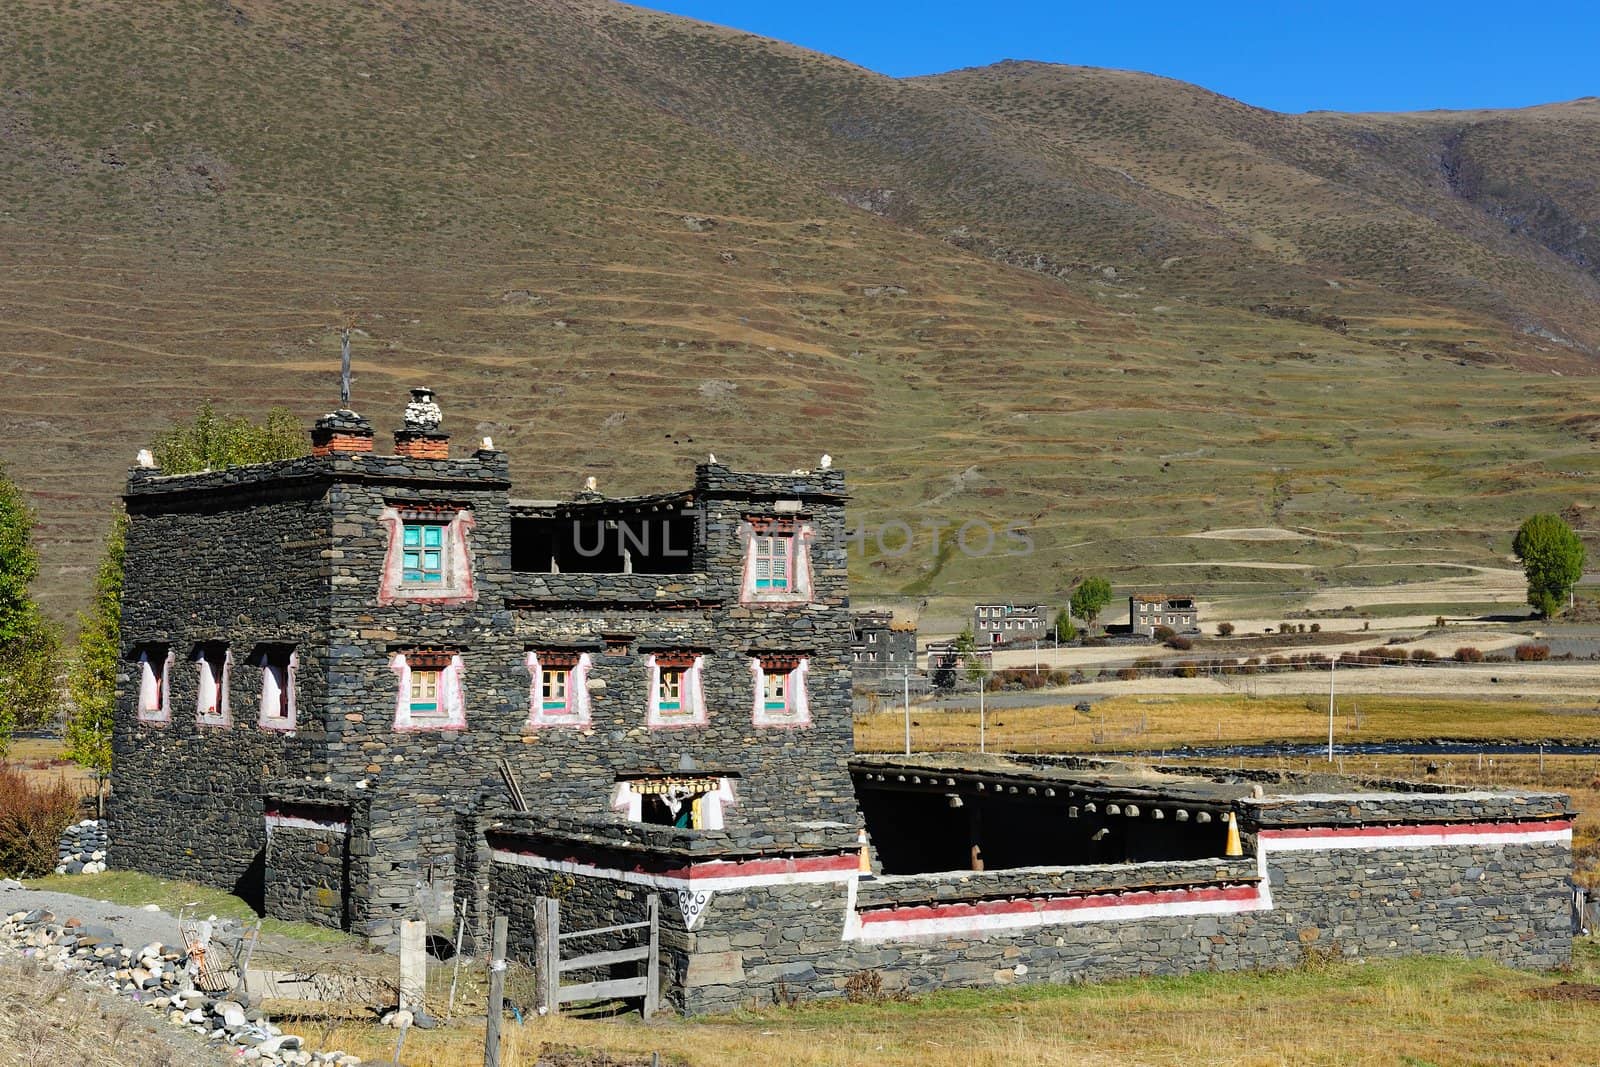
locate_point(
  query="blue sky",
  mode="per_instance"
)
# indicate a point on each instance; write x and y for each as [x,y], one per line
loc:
[1356,55]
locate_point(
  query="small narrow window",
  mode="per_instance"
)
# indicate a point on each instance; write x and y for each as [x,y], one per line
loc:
[423,559]
[212,661]
[671,691]
[279,664]
[155,677]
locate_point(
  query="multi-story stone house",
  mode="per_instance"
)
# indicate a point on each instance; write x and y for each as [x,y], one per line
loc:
[329,658]
[1147,611]
[996,624]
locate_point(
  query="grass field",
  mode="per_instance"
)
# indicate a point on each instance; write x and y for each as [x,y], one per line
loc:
[1156,722]
[1417,1012]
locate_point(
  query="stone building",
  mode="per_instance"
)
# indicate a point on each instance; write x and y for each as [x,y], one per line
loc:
[330,658]
[360,688]
[1147,611]
[997,624]
[883,652]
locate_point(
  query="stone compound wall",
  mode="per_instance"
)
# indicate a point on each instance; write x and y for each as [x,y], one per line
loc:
[309,855]
[1488,887]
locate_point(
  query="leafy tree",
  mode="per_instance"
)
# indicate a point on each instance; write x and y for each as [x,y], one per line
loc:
[1224,629]
[92,680]
[1552,559]
[30,644]
[944,674]
[211,441]
[966,648]
[1065,630]
[1090,599]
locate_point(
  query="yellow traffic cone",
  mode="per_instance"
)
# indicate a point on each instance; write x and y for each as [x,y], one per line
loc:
[1234,847]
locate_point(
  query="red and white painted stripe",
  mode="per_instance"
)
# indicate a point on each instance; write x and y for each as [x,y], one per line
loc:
[991,917]
[713,875]
[1455,835]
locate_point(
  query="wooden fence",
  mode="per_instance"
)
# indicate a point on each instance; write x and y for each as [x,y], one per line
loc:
[552,965]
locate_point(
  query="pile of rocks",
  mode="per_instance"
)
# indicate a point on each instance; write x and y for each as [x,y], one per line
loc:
[156,975]
[82,849]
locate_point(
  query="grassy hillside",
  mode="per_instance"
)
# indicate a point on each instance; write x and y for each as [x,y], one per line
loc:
[1106,307]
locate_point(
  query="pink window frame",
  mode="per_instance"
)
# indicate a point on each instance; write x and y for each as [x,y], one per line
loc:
[693,691]
[451,694]
[800,570]
[221,713]
[577,714]
[796,697]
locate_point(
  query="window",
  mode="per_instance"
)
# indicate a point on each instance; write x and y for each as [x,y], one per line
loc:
[428,557]
[212,661]
[423,559]
[780,689]
[772,561]
[687,803]
[279,664]
[430,692]
[777,566]
[155,677]
[676,696]
[559,690]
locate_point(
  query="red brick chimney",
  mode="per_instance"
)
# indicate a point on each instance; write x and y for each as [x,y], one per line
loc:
[341,431]
[420,437]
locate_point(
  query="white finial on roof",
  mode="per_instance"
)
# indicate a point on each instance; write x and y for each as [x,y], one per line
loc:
[711,457]
[590,484]
[145,459]
[488,444]
[827,461]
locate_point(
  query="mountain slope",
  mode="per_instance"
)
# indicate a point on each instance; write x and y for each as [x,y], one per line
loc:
[1107,307]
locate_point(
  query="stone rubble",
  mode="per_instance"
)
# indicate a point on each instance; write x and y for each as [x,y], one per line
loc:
[156,976]
[82,849]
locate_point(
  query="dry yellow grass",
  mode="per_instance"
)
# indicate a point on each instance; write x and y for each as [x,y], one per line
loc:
[1413,1011]
[1155,722]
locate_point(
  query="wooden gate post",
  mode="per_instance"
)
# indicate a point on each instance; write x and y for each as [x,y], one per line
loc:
[652,964]
[547,954]
[497,995]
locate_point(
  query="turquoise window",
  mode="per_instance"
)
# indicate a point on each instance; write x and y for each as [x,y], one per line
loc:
[772,562]
[775,696]
[423,553]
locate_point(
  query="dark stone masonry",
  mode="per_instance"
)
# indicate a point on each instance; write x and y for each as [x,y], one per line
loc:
[360,688]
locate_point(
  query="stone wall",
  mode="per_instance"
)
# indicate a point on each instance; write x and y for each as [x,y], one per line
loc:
[238,557]
[1470,881]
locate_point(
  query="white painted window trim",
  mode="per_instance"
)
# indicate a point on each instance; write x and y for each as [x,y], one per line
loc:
[799,703]
[458,585]
[450,695]
[629,803]
[155,694]
[269,719]
[799,591]
[211,692]
[693,692]
[578,712]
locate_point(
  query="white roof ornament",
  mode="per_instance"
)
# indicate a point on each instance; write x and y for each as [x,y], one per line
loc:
[145,459]
[827,461]
[711,458]
[590,485]
[488,444]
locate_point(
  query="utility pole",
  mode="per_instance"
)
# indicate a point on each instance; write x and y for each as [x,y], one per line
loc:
[1332,663]
[982,678]
[905,677]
